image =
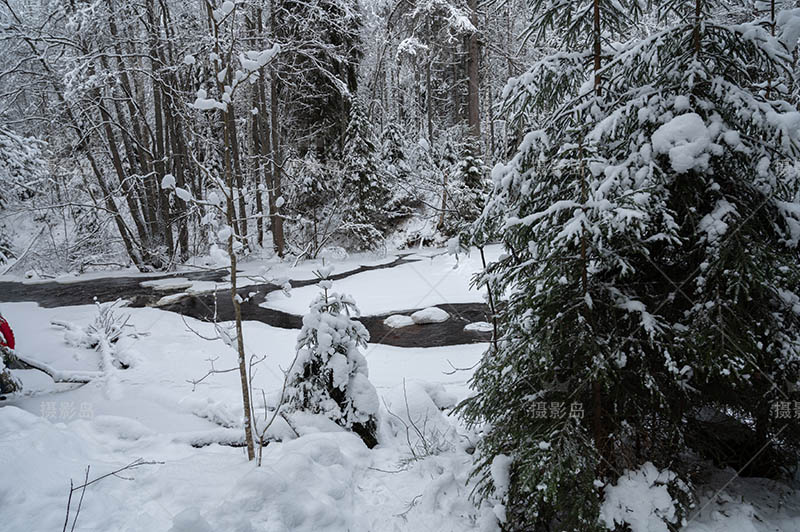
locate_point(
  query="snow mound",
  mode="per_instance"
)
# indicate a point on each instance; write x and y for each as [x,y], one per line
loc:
[416,421]
[440,397]
[122,428]
[641,500]
[430,315]
[217,412]
[398,321]
[303,485]
[175,283]
[170,299]
[190,520]
[478,326]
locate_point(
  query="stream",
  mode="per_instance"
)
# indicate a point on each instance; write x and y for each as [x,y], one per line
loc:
[201,305]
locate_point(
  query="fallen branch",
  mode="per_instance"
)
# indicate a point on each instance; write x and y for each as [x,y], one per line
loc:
[81,377]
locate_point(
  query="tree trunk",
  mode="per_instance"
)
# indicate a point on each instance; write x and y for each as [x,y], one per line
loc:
[473,75]
[277,164]
[231,220]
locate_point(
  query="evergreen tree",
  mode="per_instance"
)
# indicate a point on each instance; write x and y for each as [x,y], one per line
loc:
[467,192]
[394,152]
[314,200]
[330,376]
[318,67]
[395,158]
[22,166]
[365,219]
[652,218]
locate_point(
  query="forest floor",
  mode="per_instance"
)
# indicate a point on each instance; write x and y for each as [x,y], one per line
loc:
[326,480]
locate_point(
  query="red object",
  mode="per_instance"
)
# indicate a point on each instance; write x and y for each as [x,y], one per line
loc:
[6,334]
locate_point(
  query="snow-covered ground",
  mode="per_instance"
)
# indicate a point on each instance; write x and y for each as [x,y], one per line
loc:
[431,279]
[324,480]
[321,481]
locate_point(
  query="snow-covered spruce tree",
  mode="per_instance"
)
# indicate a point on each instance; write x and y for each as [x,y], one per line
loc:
[21,166]
[467,192]
[651,217]
[712,129]
[396,168]
[365,217]
[330,376]
[314,202]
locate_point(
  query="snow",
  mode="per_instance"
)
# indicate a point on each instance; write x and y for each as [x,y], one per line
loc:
[714,224]
[501,475]
[157,416]
[170,299]
[788,21]
[168,181]
[398,321]
[641,500]
[203,103]
[479,326]
[424,282]
[254,60]
[183,194]
[172,283]
[687,140]
[430,315]
[417,478]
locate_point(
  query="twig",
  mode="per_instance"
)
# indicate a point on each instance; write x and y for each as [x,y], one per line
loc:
[86,482]
[277,409]
[457,369]
[80,501]
[208,338]
[410,507]
[212,371]
[69,503]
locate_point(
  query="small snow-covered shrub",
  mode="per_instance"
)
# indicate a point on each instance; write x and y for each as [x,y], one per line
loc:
[330,376]
[8,383]
[105,331]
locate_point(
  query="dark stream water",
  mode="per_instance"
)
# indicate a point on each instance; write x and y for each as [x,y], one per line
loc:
[201,306]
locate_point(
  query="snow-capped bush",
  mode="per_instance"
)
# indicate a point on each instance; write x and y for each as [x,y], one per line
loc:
[8,383]
[330,376]
[105,331]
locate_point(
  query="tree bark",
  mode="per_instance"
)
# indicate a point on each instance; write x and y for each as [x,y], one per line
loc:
[473,75]
[278,238]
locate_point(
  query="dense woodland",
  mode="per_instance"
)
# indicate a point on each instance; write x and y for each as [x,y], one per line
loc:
[638,161]
[336,123]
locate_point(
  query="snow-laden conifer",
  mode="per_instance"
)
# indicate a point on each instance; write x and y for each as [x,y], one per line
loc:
[330,376]
[650,216]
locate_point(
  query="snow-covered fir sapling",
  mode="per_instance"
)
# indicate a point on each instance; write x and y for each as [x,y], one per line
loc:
[330,376]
